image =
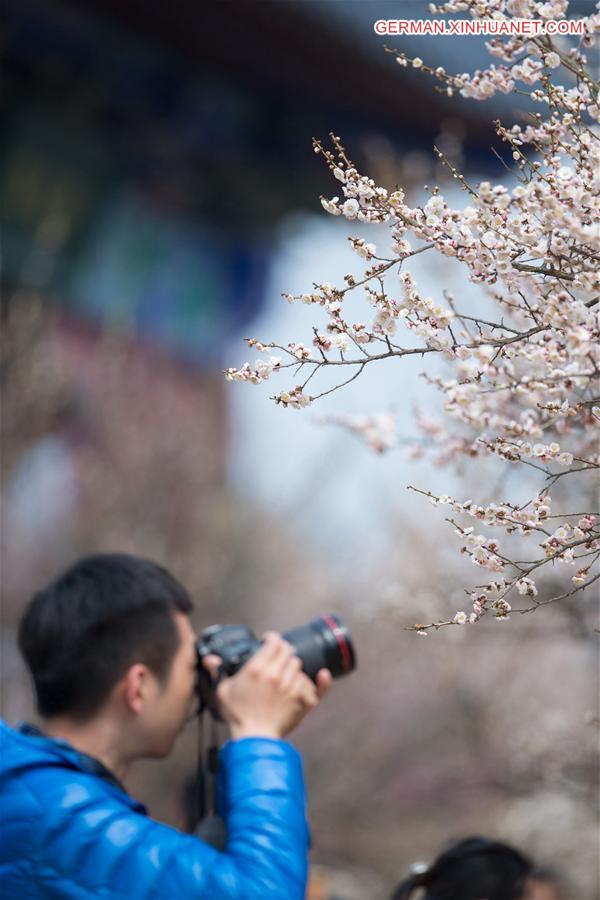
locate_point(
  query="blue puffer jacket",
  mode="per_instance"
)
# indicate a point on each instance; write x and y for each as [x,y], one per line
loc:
[70,834]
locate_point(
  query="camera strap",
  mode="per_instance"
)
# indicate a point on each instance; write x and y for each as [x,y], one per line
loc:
[210,767]
[211,828]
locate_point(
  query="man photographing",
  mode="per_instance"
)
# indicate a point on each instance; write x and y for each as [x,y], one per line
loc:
[113,659]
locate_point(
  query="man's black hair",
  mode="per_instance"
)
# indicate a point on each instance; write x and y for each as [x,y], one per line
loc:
[81,633]
[473,868]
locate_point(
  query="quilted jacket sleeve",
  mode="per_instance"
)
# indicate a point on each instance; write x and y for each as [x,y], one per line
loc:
[99,850]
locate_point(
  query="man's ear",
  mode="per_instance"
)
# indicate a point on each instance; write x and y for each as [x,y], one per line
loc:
[136,686]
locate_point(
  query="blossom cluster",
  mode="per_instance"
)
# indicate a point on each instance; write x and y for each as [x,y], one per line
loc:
[521,520]
[519,450]
[564,541]
[295,398]
[483,551]
[491,599]
[260,372]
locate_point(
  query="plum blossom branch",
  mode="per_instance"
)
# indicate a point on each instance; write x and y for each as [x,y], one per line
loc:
[521,384]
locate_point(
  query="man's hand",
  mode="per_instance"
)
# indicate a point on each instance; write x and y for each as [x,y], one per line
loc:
[270,695]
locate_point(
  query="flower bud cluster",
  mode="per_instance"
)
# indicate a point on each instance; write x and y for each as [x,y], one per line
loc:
[570,536]
[580,577]
[519,450]
[300,352]
[482,551]
[261,371]
[365,201]
[366,251]
[295,398]
[488,597]
[513,519]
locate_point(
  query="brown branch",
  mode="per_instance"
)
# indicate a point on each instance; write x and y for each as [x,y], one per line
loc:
[580,587]
[536,270]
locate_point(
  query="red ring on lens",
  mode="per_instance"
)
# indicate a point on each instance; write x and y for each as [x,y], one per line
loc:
[341,642]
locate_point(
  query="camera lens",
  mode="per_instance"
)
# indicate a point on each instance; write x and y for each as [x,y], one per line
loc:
[323,643]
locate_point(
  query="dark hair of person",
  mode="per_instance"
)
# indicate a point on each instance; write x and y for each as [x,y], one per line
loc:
[469,870]
[81,633]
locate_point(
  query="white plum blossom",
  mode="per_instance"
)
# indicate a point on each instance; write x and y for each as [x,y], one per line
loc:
[367,251]
[331,206]
[552,60]
[341,343]
[300,351]
[580,577]
[351,209]
[527,586]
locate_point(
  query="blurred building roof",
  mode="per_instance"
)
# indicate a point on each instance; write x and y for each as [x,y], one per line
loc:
[149,150]
[310,66]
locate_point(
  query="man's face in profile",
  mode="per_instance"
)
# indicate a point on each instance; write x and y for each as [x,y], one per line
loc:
[171,699]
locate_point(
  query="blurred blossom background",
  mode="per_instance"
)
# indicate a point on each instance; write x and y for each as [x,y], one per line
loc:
[158,193]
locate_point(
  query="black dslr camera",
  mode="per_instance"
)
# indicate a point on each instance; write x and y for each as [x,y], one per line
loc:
[324,643]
